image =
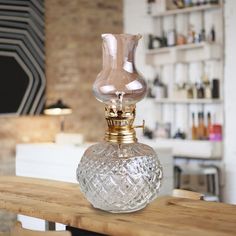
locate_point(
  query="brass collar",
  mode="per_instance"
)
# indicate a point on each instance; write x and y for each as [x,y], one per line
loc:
[120,125]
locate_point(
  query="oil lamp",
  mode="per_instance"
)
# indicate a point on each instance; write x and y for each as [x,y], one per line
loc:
[119,174]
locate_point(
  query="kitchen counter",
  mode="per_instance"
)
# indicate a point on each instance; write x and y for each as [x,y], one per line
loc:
[63,202]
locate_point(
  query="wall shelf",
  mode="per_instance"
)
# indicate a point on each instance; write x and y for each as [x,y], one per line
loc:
[179,47]
[188,10]
[184,54]
[187,101]
[196,149]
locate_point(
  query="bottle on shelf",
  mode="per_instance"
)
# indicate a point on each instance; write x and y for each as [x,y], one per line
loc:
[179,135]
[200,91]
[202,35]
[195,2]
[209,124]
[205,131]
[163,130]
[201,126]
[181,39]
[203,2]
[215,132]
[194,128]
[214,1]
[195,86]
[198,2]
[189,91]
[215,88]
[207,89]
[206,86]
[179,3]
[150,41]
[212,35]
[149,6]
[171,38]
[155,42]
[159,88]
[182,90]
[188,3]
[148,133]
[197,38]
[149,93]
[191,34]
[164,39]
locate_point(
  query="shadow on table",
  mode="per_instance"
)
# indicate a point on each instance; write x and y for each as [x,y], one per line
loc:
[82,232]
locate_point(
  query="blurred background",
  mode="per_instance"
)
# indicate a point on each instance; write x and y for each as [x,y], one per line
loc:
[51,53]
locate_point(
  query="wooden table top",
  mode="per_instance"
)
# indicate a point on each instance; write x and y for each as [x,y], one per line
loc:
[63,202]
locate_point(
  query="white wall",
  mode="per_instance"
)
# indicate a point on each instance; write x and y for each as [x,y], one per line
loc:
[136,22]
[230,101]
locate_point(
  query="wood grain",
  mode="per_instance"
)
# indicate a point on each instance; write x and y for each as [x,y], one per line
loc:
[167,216]
[187,194]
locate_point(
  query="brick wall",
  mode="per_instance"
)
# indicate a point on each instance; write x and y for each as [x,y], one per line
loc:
[73,59]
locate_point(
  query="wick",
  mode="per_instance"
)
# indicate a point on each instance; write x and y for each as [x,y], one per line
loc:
[120,96]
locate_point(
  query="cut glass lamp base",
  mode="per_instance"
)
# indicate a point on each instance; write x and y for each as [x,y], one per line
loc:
[119,178]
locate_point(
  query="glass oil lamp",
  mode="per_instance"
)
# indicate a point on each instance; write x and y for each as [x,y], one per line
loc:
[119,174]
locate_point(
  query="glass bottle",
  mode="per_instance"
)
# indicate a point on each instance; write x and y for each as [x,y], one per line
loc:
[200,91]
[209,124]
[194,128]
[171,38]
[119,174]
[212,35]
[201,126]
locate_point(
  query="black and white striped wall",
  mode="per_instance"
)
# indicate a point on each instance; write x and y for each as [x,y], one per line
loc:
[22,58]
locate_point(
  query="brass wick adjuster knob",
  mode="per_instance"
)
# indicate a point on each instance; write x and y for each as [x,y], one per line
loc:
[140,126]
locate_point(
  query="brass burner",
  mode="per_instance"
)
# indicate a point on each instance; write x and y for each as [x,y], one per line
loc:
[120,125]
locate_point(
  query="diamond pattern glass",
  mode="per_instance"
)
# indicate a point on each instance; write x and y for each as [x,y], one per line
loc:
[119,177]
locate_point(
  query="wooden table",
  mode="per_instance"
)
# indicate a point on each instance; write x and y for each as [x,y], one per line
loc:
[63,202]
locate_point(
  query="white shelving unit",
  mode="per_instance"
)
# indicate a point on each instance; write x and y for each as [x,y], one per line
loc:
[188,10]
[188,101]
[184,54]
[196,149]
[180,64]
[166,60]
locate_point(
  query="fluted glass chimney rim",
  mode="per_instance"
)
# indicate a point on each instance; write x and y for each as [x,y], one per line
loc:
[125,36]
